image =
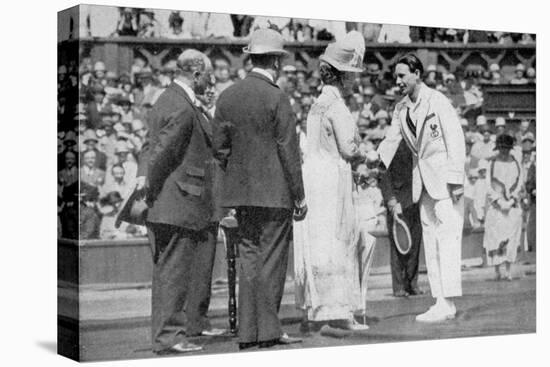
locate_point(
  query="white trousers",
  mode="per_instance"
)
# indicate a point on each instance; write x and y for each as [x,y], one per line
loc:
[442,222]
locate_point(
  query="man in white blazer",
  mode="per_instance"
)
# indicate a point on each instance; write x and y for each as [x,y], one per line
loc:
[430,126]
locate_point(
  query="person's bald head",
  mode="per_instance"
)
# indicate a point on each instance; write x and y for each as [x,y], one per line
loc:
[194,69]
[191,60]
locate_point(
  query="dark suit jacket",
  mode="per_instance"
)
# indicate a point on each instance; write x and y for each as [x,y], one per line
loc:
[396,181]
[178,162]
[255,136]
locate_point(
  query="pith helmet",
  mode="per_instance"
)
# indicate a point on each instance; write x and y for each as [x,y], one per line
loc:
[346,54]
[265,41]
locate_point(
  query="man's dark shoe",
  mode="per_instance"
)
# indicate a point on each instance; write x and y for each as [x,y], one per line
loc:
[400,293]
[243,346]
[416,291]
[283,340]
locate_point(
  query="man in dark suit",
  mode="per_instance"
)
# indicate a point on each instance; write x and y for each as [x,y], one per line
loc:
[396,186]
[255,136]
[176,172]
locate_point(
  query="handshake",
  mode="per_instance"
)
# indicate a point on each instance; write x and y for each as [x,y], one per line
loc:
[372,159]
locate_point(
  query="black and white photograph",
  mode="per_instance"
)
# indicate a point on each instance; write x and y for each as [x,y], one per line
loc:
[235,183]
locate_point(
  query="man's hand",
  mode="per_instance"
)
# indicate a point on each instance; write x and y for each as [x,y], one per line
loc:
[456,191]
[300,210]
[394,207]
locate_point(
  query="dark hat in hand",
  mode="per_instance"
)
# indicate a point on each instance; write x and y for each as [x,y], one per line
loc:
[133,210]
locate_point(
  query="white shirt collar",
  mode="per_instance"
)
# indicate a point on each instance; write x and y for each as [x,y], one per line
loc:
[421,94]
[187,90]
[264,73]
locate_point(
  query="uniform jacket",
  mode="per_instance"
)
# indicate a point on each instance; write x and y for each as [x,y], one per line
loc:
[255,136]
[396,181]
[177,160]
[438,149]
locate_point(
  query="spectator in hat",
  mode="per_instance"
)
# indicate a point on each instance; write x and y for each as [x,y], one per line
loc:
[99,71]
[500,125]
[124,158]
[503,222]
[519,77]
[484,148]
[89,218]
[89,173]
[91,141]
[481,123]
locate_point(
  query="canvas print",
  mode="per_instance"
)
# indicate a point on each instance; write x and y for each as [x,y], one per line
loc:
[230,183]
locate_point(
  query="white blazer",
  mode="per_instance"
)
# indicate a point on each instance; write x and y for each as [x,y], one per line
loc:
[439,151]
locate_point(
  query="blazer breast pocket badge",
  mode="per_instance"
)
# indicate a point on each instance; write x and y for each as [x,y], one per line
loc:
[435,131]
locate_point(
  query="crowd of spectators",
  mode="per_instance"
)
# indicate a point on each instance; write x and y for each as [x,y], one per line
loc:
[108,21]
[102,119]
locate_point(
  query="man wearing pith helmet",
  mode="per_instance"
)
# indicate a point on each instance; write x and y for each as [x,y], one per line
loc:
[175,174]
[255,135]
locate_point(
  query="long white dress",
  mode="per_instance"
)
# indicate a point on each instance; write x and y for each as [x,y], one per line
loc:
[502,224]
[326,242]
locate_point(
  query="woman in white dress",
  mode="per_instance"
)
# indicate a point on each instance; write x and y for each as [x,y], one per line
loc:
[326,242]
[504,216]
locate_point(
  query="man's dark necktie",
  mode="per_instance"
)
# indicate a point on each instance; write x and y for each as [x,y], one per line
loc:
[410,123]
